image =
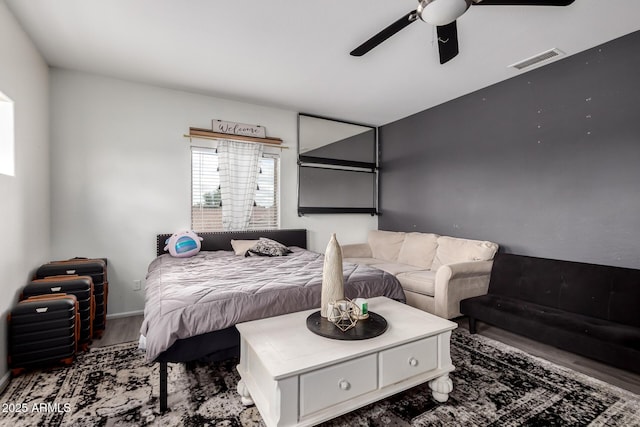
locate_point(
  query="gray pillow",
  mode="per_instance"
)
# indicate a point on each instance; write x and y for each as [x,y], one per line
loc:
[268,247]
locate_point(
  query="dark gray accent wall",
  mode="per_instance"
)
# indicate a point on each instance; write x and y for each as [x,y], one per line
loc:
[546,164]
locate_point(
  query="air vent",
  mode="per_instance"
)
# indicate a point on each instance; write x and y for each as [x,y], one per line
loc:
[541,57]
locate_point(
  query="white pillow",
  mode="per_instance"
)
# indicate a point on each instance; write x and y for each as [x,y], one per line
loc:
[240,247]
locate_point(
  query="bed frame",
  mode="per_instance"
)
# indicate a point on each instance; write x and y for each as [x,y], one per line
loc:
[225,343]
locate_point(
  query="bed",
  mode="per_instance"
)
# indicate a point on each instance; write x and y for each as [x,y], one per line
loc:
[192,304]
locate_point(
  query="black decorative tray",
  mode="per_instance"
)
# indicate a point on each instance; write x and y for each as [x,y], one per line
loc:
[370,327]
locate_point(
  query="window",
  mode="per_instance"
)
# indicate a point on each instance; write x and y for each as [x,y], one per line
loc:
[206,206]
[7,166]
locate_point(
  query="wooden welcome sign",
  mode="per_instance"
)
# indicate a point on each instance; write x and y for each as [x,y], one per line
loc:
[233,128]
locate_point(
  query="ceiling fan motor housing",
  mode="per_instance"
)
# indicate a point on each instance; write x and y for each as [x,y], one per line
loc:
[441,12]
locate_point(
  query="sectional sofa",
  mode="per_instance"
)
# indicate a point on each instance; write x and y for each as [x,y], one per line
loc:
[587,309]
[436,272]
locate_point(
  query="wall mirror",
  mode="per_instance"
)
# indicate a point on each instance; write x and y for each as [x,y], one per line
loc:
[337,166]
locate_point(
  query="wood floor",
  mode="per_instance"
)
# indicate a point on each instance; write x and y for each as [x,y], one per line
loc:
[120,330]
[128,329]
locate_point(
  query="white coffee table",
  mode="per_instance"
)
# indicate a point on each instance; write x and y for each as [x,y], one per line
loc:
[297,378]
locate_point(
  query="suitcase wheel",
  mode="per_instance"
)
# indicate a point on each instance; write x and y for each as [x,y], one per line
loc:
[16,372]
[68,361]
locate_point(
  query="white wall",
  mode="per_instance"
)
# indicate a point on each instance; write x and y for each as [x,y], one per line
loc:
[121,173]
[24,197]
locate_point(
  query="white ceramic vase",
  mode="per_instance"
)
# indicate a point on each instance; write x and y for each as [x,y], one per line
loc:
[332,275]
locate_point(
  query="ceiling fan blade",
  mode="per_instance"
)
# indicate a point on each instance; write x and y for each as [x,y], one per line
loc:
[447,41]
[524,3]
[385,34]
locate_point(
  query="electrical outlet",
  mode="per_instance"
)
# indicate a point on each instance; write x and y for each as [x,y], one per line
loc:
[137,285]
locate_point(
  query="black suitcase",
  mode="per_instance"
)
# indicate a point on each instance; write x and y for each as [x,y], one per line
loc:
[43,331]
[94,267]
[81,287]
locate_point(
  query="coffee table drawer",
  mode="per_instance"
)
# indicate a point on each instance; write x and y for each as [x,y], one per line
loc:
[408,360]
[338,383]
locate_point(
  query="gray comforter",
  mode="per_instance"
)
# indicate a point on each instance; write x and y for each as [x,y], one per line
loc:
[214,290]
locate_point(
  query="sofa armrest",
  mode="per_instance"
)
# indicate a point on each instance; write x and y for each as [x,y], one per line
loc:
[357,250]
[455,282]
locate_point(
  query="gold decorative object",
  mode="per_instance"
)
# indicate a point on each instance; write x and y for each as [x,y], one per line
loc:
[343,313]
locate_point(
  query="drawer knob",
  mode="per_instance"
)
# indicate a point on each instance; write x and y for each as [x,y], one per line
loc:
[344,385]
[413,361]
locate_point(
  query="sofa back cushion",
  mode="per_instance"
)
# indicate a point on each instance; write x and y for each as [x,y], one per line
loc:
[385,244]
[605,292]
[452,250]
[418,249]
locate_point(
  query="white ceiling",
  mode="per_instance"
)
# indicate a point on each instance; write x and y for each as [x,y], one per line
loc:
[294,54]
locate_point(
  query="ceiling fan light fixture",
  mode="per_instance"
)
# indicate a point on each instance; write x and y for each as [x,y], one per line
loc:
[442,12]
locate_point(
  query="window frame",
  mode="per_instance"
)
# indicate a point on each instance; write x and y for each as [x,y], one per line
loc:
[200,224]
[7,136]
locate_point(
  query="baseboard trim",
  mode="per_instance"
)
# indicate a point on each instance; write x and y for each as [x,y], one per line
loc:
[4,381]
[125,314]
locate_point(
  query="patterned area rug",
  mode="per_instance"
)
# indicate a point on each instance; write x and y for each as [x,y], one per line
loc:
[493,385]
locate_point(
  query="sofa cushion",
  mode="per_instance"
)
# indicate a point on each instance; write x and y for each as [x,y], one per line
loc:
[453,250]
[385,244]
[356,250]
[578,324]
[605,292]
[418,249]
[394,268]
[421,282]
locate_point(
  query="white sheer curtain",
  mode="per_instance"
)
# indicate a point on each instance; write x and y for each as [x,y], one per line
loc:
[239,167]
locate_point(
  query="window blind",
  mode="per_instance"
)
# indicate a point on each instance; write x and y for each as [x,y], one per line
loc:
[206,208]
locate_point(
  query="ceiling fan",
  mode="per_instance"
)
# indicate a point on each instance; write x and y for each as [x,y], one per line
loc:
[443,14]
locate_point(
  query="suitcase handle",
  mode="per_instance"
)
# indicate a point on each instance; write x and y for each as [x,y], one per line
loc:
[49,298]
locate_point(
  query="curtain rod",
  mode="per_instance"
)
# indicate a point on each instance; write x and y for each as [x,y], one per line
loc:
[268,144]
[208,134]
